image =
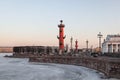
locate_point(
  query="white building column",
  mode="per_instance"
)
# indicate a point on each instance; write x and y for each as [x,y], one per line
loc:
[119,47]
[106,48]
[116,48]
[109,48]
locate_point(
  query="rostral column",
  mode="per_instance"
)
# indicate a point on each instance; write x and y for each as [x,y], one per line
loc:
[61,37]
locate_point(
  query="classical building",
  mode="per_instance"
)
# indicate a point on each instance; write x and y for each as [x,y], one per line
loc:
[111,44]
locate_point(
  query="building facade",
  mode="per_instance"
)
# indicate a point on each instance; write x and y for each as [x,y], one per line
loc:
[35,50]
[111,44]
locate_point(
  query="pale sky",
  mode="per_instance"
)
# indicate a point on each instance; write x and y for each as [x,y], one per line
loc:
[35,22]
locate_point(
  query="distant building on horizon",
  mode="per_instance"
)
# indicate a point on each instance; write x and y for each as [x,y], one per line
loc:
[111,44]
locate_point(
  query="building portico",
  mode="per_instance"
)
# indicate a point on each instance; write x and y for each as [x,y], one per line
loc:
[111,44]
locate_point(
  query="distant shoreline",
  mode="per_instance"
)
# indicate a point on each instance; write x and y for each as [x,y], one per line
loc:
[6,49]
[5,52]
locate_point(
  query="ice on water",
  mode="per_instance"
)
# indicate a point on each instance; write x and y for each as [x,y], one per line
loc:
[21,69]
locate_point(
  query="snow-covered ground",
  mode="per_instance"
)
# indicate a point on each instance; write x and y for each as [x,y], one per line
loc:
[21,69]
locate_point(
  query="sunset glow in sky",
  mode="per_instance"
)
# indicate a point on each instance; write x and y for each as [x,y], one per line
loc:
[35,22]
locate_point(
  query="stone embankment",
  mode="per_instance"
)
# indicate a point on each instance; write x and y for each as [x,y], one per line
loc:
[109,66]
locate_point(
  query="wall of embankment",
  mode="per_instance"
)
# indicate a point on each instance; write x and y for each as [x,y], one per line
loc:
[109,66]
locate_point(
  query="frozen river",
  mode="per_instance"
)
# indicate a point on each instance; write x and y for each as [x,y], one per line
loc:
[21,69]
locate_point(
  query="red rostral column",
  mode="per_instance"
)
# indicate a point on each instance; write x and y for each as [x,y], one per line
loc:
[61,36]
[76,45]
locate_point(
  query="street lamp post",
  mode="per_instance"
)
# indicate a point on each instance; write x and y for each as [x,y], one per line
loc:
[87,45]
[99,36]
[71,41]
